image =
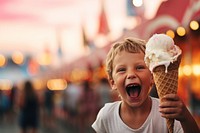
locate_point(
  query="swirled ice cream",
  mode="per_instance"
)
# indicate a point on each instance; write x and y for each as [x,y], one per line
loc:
[161,50]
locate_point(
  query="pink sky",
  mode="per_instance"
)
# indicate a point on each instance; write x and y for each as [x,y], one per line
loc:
[29,25]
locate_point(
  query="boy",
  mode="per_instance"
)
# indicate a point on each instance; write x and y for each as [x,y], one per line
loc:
[137,111]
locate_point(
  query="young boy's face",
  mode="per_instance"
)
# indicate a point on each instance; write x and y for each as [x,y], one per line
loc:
[131,77]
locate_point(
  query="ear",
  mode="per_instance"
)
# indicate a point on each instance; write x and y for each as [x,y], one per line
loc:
[112,84]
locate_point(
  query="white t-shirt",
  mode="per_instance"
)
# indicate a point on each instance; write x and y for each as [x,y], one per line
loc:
[109,121]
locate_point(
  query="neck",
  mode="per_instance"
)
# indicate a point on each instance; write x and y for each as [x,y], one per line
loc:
[145,107]
[134,117]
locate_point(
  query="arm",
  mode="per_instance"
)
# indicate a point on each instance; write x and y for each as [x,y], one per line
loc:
[171,106]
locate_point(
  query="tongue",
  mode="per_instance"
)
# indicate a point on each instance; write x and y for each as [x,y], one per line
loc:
[133,93]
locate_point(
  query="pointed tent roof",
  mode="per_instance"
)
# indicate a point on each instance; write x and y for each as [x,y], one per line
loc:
[103,23]
[169,15]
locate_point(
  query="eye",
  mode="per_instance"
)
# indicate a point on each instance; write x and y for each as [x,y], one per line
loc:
[121,69]
[139,67]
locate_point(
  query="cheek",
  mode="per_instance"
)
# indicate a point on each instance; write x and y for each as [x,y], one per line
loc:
[118,82]
[148,80]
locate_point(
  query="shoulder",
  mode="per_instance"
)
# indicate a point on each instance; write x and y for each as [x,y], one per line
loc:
[109,107]
[112,105]
[106,116]
[155,108]
[155,101]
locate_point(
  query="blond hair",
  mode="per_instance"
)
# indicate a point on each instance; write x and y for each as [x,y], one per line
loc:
[132,45]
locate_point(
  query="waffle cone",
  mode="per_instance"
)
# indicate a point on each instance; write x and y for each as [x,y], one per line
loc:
[167,83]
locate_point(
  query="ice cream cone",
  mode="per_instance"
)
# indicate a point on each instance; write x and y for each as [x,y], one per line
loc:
[167,83]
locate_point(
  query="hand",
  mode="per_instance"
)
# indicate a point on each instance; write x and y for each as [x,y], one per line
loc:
[171,106]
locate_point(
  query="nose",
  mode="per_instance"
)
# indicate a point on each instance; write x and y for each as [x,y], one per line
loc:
[131,75]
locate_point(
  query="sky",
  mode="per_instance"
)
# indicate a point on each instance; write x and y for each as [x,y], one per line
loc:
[30,26]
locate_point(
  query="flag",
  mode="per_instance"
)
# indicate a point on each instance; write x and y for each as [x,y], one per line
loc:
[33,67]
[130,10]
[103,24]
[45,58]
[85,40]
[60,53]
[91,45]
[58,37]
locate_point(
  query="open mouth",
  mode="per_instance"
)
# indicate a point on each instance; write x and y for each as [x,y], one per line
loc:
[133,90]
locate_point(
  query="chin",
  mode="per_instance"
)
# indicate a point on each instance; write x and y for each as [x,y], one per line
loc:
[138,101]
[135,102]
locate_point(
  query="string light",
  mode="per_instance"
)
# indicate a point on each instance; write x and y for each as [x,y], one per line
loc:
[137,3]
[18,58]
[170,33]
[56,84]
[196,70]
[2,61]
[181,31]
[194,25]
[187,70]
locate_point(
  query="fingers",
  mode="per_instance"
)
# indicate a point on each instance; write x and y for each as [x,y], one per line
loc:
[170,112]
[173,97]
[171,106]
[169,116]
[170,101]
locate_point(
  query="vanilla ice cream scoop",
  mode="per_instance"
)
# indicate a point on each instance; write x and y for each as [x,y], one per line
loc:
[161,50]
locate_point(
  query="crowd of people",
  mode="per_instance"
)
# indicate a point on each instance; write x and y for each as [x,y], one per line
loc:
[75,107]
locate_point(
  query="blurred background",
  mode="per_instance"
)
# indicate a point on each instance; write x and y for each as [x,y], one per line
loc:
[60,47]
